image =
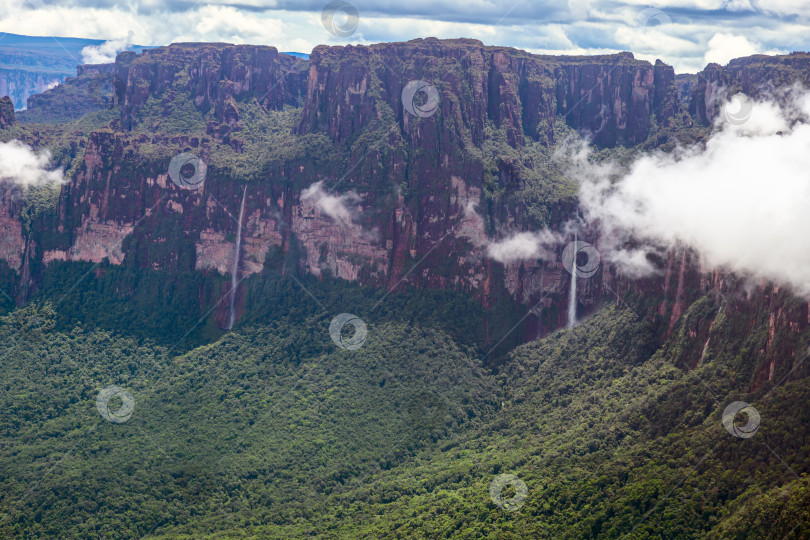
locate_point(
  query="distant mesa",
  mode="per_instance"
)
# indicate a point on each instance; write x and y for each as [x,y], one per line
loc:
[32,64]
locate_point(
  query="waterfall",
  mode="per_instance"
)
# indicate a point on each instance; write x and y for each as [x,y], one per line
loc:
[705,347]
[235,269]
[572,295]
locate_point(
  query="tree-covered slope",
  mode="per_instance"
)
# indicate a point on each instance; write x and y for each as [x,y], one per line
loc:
[236,430]
[608,446]
[401,438]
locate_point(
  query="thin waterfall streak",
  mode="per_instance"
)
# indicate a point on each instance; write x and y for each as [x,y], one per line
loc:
[703,354]
[235,269]
[572,295]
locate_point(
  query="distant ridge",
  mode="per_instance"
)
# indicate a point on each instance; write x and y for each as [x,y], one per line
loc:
[31,64]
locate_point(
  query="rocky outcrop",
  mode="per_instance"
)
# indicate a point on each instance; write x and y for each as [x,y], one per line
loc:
[89,91]
[12,242]
[7,118]
[211,75]
[755,76]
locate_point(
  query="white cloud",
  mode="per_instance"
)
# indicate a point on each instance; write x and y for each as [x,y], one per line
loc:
[523,246]
[742,202]
[231,25]
[738,5]
[106,52]
[782,7]
[160,27]
[20,165]
[801,103]
[667,4]
[337,207]
[750,117]
[575,27]
[726,47]
[632,262]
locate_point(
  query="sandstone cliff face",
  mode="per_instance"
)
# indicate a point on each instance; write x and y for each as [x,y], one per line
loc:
[611,97]
[421,216]
[211,74]
[754,76]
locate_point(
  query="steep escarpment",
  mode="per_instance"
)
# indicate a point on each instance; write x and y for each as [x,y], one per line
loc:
[424,193]
[430,189]
[613,97]
[498,107]
[210,75]
[755,76]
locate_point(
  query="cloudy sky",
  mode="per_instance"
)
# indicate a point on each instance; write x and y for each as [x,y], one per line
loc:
[684,33]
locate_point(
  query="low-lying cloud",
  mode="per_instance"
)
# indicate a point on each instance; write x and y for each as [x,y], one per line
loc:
[742,202]
[337,207]
[106,52]
[21,166]
[523,246]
